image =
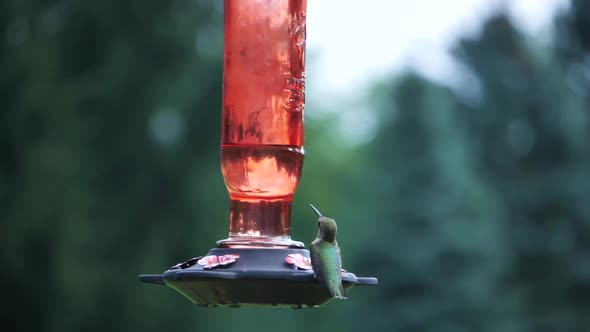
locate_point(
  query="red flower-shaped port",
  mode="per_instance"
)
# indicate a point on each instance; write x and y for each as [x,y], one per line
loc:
[298,260]
[209,262]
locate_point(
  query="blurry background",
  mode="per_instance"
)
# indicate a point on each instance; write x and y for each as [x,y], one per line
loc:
[450,142]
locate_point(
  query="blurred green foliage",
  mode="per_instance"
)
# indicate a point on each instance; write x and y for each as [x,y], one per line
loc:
[470,205]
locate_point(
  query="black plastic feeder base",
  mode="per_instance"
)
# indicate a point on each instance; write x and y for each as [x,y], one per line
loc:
[258,277]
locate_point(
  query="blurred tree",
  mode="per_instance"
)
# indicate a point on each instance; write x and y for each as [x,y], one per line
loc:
[108,138]
[487,188]
[530,136]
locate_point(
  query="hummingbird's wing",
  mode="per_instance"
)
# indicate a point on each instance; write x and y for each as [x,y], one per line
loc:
[343,294]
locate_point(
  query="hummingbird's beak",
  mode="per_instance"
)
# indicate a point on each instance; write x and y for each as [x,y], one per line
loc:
[316,210]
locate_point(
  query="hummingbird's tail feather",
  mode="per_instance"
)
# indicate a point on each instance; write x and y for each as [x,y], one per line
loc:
[342,294]
[337,292]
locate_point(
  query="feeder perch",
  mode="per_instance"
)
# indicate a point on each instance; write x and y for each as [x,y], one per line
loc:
[261,161]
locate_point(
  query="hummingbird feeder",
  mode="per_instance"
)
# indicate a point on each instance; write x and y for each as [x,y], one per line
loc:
[261,161]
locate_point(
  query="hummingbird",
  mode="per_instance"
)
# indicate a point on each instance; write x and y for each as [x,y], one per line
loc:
[325,257]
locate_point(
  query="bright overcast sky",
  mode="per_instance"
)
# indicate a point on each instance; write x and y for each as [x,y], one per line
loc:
[352,43]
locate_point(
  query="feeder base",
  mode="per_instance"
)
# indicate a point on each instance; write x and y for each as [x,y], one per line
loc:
[260,277]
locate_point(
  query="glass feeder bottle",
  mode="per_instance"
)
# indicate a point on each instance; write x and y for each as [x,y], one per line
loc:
[262,118]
